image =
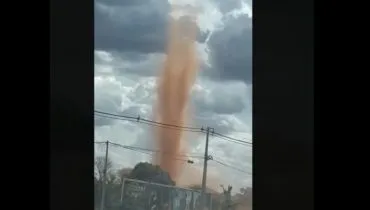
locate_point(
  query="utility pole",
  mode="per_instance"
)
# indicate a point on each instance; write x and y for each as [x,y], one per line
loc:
[104,178]
[204,180]
[122,190]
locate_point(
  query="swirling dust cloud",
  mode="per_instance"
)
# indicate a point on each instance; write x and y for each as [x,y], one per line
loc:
[175,81]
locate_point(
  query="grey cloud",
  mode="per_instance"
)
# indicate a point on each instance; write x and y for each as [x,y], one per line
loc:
[220,124]
[108,98]
[143,92]
[226,6]
[101,121]
[224,124]
[145,64]
[135,29]
[109,103]
[135,63]
[132,26]
[146,138]
[224,98]
[222,103]
[137,110]
[108,106]
[231,51]
[106,101]
[225,147]
[132,32]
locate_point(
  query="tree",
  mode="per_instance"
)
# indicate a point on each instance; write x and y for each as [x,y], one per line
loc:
[123,173]
[99,166]
[142,171]
[151,173]
[247,196]
[244,190]
[226,204]
[111,179]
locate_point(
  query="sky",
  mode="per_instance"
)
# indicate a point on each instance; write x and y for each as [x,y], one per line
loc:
[130,38]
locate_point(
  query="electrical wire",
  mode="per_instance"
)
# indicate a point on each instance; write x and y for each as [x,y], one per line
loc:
[154,151]
[150,152]
[139,119]
[151,124]
[170,126]
[233,141]
[232,167]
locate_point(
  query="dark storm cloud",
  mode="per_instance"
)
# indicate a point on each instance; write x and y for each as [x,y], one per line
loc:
[132,26]
[231,51]
[137,28]
[124,63]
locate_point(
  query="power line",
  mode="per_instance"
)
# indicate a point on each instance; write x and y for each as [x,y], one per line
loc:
[154,151]
[124,116]
[171,126]
[233,139]
[150,152]
[139,119]
[147,151]
[232,167]
[142,150]
[185,128]
[151,124]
